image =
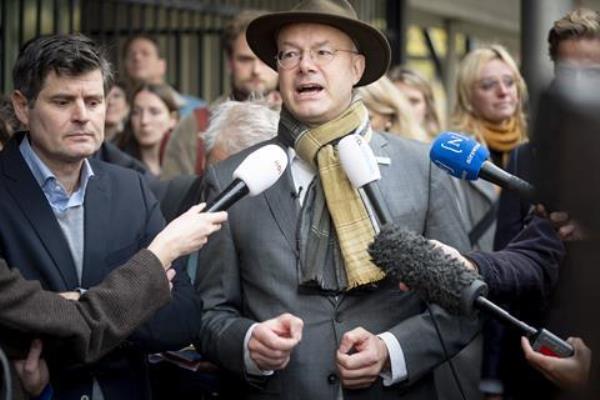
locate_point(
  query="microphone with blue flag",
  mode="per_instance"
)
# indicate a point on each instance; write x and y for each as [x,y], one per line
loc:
[465,158]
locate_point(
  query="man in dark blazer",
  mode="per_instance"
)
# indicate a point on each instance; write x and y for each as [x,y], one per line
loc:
[292,303]
[68,221]
[105,315]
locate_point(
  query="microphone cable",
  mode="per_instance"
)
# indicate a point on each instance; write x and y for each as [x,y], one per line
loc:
[446,355]
[7,392]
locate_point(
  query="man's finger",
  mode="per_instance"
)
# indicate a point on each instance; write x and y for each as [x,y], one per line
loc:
[537,359]
[357,361]
[352,339]
[273,339]
[33,357]
[290,326]
[259,348]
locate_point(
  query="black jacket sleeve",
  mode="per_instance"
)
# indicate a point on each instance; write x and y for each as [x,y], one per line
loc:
[527,269]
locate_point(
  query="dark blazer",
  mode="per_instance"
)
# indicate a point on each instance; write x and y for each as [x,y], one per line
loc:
[248,273]
[121,217]
[526,270]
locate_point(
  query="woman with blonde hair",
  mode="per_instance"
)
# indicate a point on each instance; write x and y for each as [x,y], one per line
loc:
[491,96]
[489,106]
[390,111]
[420,96]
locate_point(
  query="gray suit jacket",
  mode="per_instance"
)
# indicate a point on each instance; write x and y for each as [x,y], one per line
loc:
[248,273]
[475,199]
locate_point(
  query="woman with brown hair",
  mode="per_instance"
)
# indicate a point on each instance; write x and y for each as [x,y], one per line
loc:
[153,116]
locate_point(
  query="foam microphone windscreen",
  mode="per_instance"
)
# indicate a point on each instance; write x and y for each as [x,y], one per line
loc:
[424,268]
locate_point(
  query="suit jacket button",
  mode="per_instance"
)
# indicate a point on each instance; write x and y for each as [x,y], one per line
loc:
[332,378]
[338,317]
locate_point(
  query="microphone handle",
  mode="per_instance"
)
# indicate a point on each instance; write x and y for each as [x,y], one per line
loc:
[376,199]
[487,306]
[500,177]
[542,340]
[232,193]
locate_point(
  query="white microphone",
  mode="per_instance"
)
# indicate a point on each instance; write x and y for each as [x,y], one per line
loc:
[360,165]
[258,172]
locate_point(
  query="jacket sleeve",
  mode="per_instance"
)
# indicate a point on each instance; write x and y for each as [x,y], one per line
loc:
[527,269]
[103,317]
[218,279]
[175,325]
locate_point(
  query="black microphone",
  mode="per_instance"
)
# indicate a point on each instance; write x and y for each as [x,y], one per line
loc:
[259,171]
[360,166]
[464,158]
[439,278]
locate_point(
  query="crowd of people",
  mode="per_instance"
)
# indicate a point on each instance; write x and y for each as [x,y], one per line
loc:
[107,257]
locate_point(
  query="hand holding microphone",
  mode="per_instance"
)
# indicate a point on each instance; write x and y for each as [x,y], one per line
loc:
[466,159]
[565,372]
[444,280]
[258,172]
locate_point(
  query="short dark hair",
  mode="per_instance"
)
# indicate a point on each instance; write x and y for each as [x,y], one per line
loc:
[70,55]
[144,36]
[237,26]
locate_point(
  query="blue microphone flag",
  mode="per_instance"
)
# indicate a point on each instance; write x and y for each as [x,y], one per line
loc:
[459,155]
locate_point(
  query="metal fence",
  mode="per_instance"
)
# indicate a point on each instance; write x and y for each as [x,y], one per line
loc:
[188,31]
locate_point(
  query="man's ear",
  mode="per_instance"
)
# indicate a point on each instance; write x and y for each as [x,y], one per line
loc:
[162,68]
[358,67]
[21,107]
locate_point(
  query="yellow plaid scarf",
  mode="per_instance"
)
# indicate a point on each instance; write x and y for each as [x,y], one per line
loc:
[350,218]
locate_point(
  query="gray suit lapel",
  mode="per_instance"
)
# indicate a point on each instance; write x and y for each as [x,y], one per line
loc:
[284,207]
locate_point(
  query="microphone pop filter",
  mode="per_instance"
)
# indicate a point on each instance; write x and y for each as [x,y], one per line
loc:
[426,269]
[262,168]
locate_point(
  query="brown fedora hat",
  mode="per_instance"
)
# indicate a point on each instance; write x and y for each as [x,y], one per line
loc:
[262,33]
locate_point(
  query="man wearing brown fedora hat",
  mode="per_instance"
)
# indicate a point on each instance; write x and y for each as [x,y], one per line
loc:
[292,302]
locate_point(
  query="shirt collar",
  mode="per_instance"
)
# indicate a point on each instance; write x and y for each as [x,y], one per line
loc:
[54,191]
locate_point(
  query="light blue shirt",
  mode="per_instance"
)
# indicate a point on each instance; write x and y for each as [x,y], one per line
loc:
[56,194]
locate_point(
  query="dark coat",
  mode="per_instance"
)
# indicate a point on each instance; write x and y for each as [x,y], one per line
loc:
[121,217]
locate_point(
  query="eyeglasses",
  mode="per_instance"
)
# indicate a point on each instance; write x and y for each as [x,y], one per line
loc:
[289,59]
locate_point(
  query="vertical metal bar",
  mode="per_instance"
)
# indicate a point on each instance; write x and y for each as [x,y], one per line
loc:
[84,12]
[439,70]
[451,63]
[156,17]
[128,19]
[143,10]
[21,22]
[101,34]
[71,16]
[3,31]
[221,64]
[396,27]
[200,65]
[115,24]
[38,17]
[55,27]
[177,18]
